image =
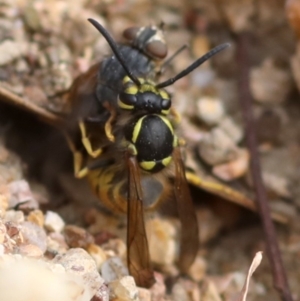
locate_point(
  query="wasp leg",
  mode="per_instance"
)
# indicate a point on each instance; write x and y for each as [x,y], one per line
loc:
[79,172]
[175,115]
[87,143]
[108,127]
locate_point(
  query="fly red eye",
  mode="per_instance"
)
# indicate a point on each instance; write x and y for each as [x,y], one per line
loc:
[157,49]
[131,33]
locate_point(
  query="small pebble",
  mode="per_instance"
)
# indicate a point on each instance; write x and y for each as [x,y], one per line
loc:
[21,195]
[53,222]
[210,292]
[2,232]
[210,110]
[78,262]
[11,50]
[234,169]
[13,231]
[234,131]
[144,294]
[285,209]
[56,244]
[36,217]
[158,289]
[33,234]
[59,54]
[31,17]
[113,269]
[239,15]
[277,184]
[77,237]
[185,290]
[203,77]
[4,199]
[30,250]
[36,95]
[124,289]
[198,269]
[162,240]
[33,280]
[14,216]
[269,83]
[22,66]
[102,294]
[97,253]
[217,147]
[116,245]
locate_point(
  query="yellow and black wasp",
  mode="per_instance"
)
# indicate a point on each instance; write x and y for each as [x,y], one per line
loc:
[122,131]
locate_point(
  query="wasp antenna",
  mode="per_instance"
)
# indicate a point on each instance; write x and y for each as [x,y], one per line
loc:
[113,45]
[193,66]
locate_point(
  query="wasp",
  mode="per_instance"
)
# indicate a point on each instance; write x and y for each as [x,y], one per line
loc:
[122,132]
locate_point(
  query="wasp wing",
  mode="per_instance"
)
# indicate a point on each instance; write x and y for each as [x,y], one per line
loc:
[189,226]
[138,257]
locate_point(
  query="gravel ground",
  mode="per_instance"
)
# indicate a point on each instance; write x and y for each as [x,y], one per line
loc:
[56,239]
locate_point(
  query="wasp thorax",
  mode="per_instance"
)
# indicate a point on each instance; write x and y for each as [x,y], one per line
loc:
[152,140]
[144,97]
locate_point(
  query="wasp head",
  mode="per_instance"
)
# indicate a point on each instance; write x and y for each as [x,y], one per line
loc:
[144,97]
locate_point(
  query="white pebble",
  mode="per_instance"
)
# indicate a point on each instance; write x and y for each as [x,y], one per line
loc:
[269,83]
[113,269]
[53,222]
[217,147]
[124,289]
[210,110]
[10,50]
[162,236]
[234,169]
[235,132]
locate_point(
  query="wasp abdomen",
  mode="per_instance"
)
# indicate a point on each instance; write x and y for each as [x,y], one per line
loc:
[111,186]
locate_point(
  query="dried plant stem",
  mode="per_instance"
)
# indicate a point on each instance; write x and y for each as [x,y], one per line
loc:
[24,104]
[273,252]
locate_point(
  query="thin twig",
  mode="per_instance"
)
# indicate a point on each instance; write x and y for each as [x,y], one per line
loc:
[273,252]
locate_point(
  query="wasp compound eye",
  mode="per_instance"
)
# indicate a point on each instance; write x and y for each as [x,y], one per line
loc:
[127,101]
[131,33]
[153,138]
[166,104]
